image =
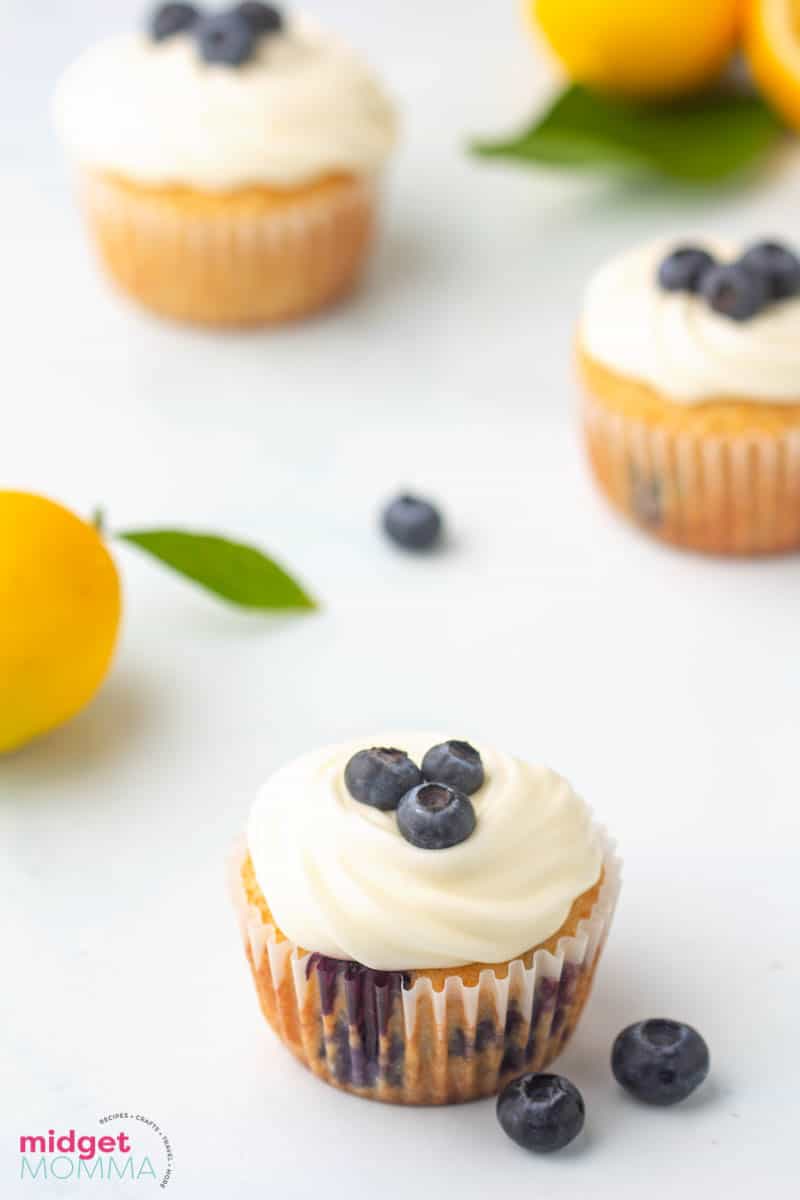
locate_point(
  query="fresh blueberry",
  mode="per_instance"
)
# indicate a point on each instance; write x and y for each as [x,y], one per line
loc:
[381,776]
[434,816]
[455,763]
[541,1112]
[660,1061]
[777,265]
[169,19]
[262,18]
[412,522]
[683,269]
[734,291]
[225,38]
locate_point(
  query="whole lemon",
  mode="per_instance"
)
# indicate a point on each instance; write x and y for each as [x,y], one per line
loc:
[59,615]
[653,49]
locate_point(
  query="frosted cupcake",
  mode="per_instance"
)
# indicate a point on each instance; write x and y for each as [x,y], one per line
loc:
[423,921]
[228,161]
[690,359]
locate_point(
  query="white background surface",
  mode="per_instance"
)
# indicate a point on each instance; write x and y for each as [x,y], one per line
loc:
[664,685]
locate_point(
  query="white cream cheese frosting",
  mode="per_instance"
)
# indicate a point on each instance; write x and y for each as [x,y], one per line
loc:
[341,880]
[302,107]
[677,344]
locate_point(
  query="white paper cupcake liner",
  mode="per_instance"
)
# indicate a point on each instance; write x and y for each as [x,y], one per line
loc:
[726,493]
[229,261]
[386,1037]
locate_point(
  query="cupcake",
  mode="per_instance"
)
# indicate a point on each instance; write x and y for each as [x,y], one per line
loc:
[690,360]
[228,162]
[422,919]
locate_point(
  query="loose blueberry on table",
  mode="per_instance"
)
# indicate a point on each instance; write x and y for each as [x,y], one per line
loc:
[660,1061]
[434,816]
[381,777]
[541,1112]
[412,522]
[455,763]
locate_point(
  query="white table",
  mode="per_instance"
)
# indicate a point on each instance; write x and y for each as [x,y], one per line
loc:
[664,685]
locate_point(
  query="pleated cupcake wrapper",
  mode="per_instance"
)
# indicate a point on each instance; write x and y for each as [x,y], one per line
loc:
[366,1032]
[245,266]
[725,493]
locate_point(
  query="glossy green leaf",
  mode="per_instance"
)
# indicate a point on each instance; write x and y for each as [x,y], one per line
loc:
[238,573]
[700,140]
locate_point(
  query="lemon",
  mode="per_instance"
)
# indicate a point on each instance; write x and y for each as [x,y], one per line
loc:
[640,48]
[59,615]
[772,43]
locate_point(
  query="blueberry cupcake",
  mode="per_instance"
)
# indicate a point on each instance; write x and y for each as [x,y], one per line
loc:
[690,358]
[422,918]
[228,161]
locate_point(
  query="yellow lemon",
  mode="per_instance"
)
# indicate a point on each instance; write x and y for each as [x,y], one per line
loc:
[640,48]
[772,42]
[59,615]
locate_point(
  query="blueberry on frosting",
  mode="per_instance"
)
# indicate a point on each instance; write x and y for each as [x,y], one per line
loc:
[660,1061]
[779,268]
[766,272]
[228,37]
[684,268]
[169,19]
[433,808]
[381,776]
[262,18]
[734,291]
[225,38]
[434,816]
[455,763]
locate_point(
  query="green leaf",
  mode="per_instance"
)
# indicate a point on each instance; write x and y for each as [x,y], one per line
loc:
[238,573]
[700,140]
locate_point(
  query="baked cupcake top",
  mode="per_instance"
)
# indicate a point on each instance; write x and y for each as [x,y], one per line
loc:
[175,109]
[702,321]
[343,879]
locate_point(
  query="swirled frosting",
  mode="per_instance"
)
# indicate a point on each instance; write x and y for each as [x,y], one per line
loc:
[341,880]
[154,112]
[676,343]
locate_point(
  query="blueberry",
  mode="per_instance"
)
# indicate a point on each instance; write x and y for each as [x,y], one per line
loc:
[225,38]
[455,763]
[434,816]
[262,18]
[777,265]
[169,19]
[541,1112]
[683,269]
[412,522]
[381,776]
[660,1061]
[734,291]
